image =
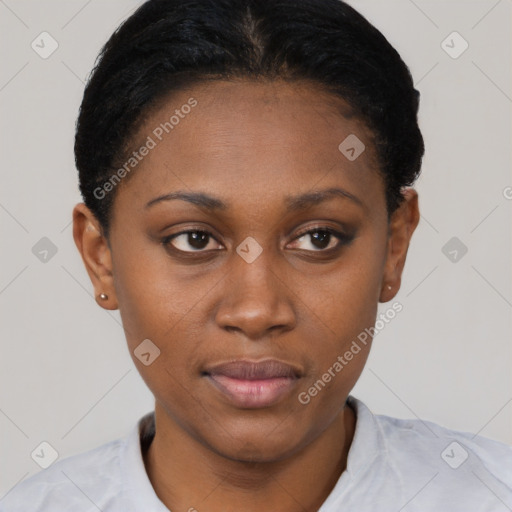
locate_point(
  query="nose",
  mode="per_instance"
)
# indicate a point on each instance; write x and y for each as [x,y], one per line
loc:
[256,300]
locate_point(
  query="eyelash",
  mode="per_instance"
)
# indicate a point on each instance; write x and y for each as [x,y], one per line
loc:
[343,239]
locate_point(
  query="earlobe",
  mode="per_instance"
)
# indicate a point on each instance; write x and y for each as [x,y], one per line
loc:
[387,293]
[96,255]
[401,228]
[390,286]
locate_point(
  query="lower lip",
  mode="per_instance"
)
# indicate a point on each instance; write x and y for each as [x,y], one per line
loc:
[253,394]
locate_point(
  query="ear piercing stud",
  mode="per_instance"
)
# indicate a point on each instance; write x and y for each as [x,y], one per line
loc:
[103,296]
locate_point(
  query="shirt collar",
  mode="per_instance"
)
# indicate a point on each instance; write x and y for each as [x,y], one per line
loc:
[367,444]
[135,479]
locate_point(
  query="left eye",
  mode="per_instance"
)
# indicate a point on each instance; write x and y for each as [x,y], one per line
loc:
[197,240]
[319,240]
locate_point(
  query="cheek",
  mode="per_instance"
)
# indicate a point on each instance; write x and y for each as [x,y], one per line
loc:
[159,323]
[346,300]
[344,306]
[341,352]
[165,308]
[152,301]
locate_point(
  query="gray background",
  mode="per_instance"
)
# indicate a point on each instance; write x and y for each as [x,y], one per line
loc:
[66,375]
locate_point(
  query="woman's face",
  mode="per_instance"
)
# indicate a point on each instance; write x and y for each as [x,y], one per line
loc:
[251,251]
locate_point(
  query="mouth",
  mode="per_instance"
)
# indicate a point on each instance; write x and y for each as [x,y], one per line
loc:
[253,385]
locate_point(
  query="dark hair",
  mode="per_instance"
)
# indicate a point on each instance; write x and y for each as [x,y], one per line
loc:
[167,45]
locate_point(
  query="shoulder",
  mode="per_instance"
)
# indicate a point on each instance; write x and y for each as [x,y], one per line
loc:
[427,440]
[426,465]
[75,483]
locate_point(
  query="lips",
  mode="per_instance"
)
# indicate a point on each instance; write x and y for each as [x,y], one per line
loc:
[247,370]
[249,385]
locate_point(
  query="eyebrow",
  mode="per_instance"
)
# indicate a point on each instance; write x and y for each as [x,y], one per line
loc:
[293,203]
[197,198]
[312,198]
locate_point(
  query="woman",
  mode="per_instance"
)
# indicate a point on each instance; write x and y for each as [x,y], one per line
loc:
[247,170]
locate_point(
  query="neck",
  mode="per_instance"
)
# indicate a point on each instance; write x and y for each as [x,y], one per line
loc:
[187,475]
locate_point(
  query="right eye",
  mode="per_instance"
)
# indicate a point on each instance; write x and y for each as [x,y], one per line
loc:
[192,241]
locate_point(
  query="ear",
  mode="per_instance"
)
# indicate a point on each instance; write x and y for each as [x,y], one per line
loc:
[402,224]
[96,255]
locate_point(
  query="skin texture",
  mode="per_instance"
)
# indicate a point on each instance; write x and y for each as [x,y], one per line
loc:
[250,145]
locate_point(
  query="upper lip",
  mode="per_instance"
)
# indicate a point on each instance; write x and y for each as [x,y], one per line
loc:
[254,370]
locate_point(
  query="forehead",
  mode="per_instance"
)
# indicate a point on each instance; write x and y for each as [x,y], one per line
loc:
[250,138]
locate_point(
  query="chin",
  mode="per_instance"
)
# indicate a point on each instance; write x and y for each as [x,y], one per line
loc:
[255,443]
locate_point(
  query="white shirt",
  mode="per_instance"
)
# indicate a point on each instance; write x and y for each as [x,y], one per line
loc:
[393,465]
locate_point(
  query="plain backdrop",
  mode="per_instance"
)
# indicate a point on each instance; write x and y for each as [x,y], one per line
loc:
[66,376]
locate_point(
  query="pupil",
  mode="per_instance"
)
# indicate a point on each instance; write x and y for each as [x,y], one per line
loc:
[322,237]
[197,239]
